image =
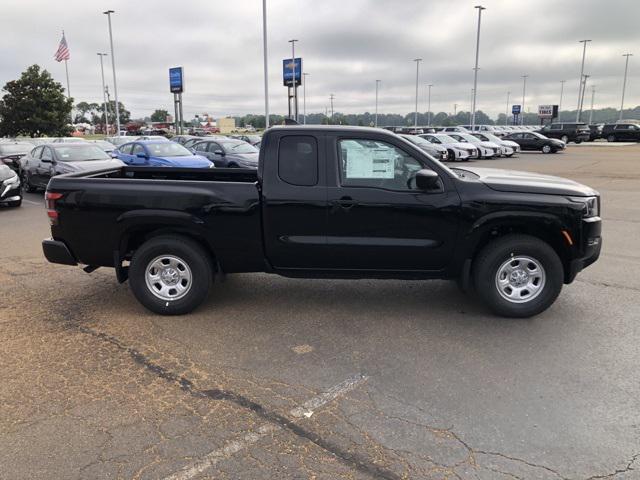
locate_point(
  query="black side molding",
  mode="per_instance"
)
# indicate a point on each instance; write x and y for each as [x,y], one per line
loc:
[57,252]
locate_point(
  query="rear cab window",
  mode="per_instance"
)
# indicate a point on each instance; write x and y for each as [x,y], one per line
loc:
[298,160]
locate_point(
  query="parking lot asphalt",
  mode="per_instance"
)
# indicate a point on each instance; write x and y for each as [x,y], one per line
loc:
[282,378]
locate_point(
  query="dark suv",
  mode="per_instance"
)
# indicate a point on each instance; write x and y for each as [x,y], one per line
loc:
[621,132]
[567,132]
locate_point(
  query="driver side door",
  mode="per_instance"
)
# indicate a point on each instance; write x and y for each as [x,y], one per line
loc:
[377,218]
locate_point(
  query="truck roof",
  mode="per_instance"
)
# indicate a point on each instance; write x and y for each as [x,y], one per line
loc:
[332,128]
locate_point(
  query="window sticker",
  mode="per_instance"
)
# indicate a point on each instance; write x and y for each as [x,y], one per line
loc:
[370,162]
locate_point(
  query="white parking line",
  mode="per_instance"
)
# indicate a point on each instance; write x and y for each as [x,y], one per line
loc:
[306,410]
[32,203]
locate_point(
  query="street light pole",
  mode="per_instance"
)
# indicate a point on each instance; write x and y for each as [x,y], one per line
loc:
[304,95]
[524,89]
[331,97]
[415,117]
[429,105]
[375,122]
[506,112]
[624,82]
[584,88]
[593,95]
[560,102]
[475,69]
[265,62]
[104,95]
[113,67]
[584,52]
[293,79]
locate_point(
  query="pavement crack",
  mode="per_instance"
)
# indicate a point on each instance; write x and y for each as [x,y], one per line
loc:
[613,474]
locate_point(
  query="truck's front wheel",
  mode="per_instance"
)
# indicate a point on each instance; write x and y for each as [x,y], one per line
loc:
[170,275]
[518,275]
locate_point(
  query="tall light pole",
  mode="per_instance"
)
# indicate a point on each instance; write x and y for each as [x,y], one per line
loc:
[584,88]
[104,95]
[524,90]
[560,102]
[429,105]
[264,60]
[624,82]
[415,116]
[506,112]
[375,122]
[331,97]
[593,95]
[475,69]
[293,79]
[584,52]
[304,95]
[113,67]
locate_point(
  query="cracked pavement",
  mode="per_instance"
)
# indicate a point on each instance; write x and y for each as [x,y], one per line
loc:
[96,387]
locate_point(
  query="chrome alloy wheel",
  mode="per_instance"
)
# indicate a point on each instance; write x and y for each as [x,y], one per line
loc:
[520,279]
[168,277]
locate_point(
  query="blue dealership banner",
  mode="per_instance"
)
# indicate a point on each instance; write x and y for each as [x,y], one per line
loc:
[176,80]
[287,72]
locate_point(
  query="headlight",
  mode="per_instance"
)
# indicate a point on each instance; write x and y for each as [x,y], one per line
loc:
[591,206]
[11,180]
[212,166]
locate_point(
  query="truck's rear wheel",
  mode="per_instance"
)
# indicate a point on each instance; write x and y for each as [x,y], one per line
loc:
[518,276]
[170,275]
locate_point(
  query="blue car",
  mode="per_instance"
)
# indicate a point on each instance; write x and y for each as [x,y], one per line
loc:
[158,153]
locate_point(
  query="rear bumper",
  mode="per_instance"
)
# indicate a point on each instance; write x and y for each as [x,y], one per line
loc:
[592,229]
[56,251]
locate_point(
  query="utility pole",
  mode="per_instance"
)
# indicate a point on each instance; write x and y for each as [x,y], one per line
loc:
[506,112]
[415,116]
[624,82]
[331,97]
[560,102]
[524,89]
[375,123]
[475,69]
[429,105]
[455,109]
[113,67]
[583,88]
[593,95]
[104,95]
[584,52]
[265,63]
[304,95]
[293,79]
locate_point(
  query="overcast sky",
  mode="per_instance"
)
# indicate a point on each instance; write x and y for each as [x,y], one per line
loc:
[345,44]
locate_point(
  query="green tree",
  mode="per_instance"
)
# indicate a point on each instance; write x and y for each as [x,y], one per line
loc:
[35,104]
[160,115]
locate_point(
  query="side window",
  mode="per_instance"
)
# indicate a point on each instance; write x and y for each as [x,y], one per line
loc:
[201,147]
[126,149]
[528,136]
[367,163]
[214,147]
[36,152]
[46,153]
[137,148]
[622,127]
[298,160]
[556,126]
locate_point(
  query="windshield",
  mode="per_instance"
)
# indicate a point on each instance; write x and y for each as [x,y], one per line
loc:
[15,148]
[254,138]
[238,147]
[417,140]
[167,149]
[80,153]
[444,139]
[468,138]
[104,145]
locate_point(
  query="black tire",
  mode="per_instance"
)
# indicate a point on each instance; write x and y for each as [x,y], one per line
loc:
[611,138]
[489,262]
[189,253]
[547,149]
[26,184]
[15,203]
[451,156]
[578,142]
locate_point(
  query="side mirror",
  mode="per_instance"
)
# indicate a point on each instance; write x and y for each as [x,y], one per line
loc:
[46,160]
[426,179]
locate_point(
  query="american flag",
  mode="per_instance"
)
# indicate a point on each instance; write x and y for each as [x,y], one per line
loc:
[63,50]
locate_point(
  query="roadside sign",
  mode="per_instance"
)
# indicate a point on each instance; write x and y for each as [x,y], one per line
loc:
[176,80]
[515,109]
[547,111]
[287,71]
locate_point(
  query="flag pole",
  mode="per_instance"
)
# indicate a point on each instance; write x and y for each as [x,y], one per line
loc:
[66,69]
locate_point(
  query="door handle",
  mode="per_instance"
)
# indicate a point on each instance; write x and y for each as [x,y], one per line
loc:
[346,203]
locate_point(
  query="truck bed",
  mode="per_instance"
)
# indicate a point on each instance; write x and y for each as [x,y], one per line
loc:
[104,214]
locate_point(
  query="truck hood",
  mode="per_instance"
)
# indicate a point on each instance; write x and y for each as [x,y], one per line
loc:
[69,167]
[528,182]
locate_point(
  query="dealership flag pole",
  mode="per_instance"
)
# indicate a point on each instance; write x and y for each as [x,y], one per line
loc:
[524,89]
[305,75]
[475,69]
[560,102]
[584,52]
[113,68]
[293,80]
[624,82]
[415,117]
[506,115]
[266,68]
[429,105]
[375,123]
[593,95]
[104,95]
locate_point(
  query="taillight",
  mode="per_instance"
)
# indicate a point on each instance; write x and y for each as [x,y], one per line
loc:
[52,213]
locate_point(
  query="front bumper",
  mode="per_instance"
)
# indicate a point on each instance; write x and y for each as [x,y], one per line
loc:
[10,193]
[592,238]
[56,251]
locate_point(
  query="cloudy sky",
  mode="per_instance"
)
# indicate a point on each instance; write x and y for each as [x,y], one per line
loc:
[346,45]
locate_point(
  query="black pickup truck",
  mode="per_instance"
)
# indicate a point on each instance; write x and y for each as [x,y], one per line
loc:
[336,202]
